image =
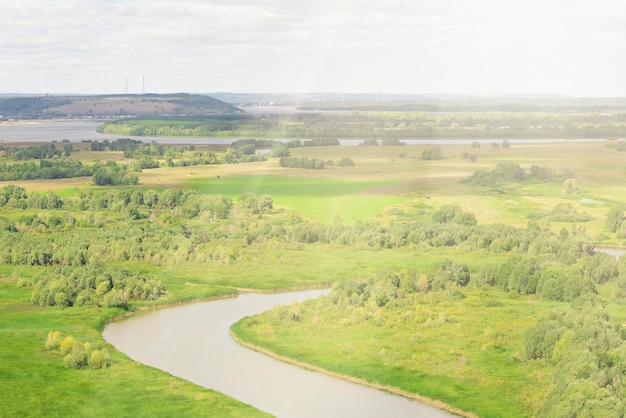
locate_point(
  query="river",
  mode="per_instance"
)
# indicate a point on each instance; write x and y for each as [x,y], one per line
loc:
[77,131]
[192,341]
[616,252]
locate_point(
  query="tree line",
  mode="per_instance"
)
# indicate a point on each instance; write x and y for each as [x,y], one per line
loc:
[178,226]
[36,152]
[359,124]
[504,173]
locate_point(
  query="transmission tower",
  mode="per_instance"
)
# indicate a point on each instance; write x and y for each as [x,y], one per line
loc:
[126,86]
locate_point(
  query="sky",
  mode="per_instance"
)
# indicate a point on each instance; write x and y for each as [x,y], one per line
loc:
[476,47]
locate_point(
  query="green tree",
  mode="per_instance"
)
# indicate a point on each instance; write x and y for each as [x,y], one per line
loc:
[450,272]
[434,153]
[614,219]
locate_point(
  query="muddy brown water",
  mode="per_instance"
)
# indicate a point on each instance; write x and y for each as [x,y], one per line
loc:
[193,342]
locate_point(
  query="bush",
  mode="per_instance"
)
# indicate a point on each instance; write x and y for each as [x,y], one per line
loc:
[65,346]
[77,355]
[76,358]
[450,272]
[346,162]
[54,340]
[99,359]
[434,153]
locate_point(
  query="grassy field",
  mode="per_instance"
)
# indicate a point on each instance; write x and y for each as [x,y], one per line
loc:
[318,198]
[385,182]
[385,177]
[465,352]
[35,383]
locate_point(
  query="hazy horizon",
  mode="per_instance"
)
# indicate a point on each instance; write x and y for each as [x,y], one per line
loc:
[446,47]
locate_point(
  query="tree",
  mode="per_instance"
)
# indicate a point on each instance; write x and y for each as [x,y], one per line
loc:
[519,274]
[279,149]
[446,213]
[435,153]
[450,272]
[54,340]
[614,219]
[571,186]
[346,162]
[77,357]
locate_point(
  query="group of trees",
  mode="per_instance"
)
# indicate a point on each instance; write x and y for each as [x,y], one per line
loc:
[389,287]
[149,155]
[16,197]
[614,219]
[586,349]
[243,155]
[434,153]
[359,124]
[108,173]
[302,162]
[258,144]
[449,227]
[560,268]
[543,261]
[505,173]
[45,169]
[563,212]
[36,152]
[120,144]
[385,142]
[113,174]
[66,286]
[77,355]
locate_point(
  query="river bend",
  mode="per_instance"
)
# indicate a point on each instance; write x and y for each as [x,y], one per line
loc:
[192,342]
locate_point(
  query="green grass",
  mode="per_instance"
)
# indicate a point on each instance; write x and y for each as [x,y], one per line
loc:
[35,383]
[321,199]
[471,359]
[423,359]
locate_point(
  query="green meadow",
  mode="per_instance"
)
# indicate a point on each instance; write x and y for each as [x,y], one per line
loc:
[35,383]
[320,199]
[464,347]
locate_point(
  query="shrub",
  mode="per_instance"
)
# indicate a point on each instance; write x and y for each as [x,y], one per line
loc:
[76,358]
[65,347]
[346,162]
[434,153]
[54,340]
[77,355]
[99,359]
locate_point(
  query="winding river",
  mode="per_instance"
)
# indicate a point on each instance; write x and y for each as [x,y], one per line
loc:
[192,342]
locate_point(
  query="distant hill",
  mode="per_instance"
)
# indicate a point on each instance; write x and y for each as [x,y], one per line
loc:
[108,106]
[392,102]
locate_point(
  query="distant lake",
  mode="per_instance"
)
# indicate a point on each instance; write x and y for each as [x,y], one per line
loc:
[77,131]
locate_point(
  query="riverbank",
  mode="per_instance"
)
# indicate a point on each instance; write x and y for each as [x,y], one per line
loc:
[147,308]
[414,396]
[35,382]
[192,341]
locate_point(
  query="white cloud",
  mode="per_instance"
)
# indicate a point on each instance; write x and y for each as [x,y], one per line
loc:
[423,46]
